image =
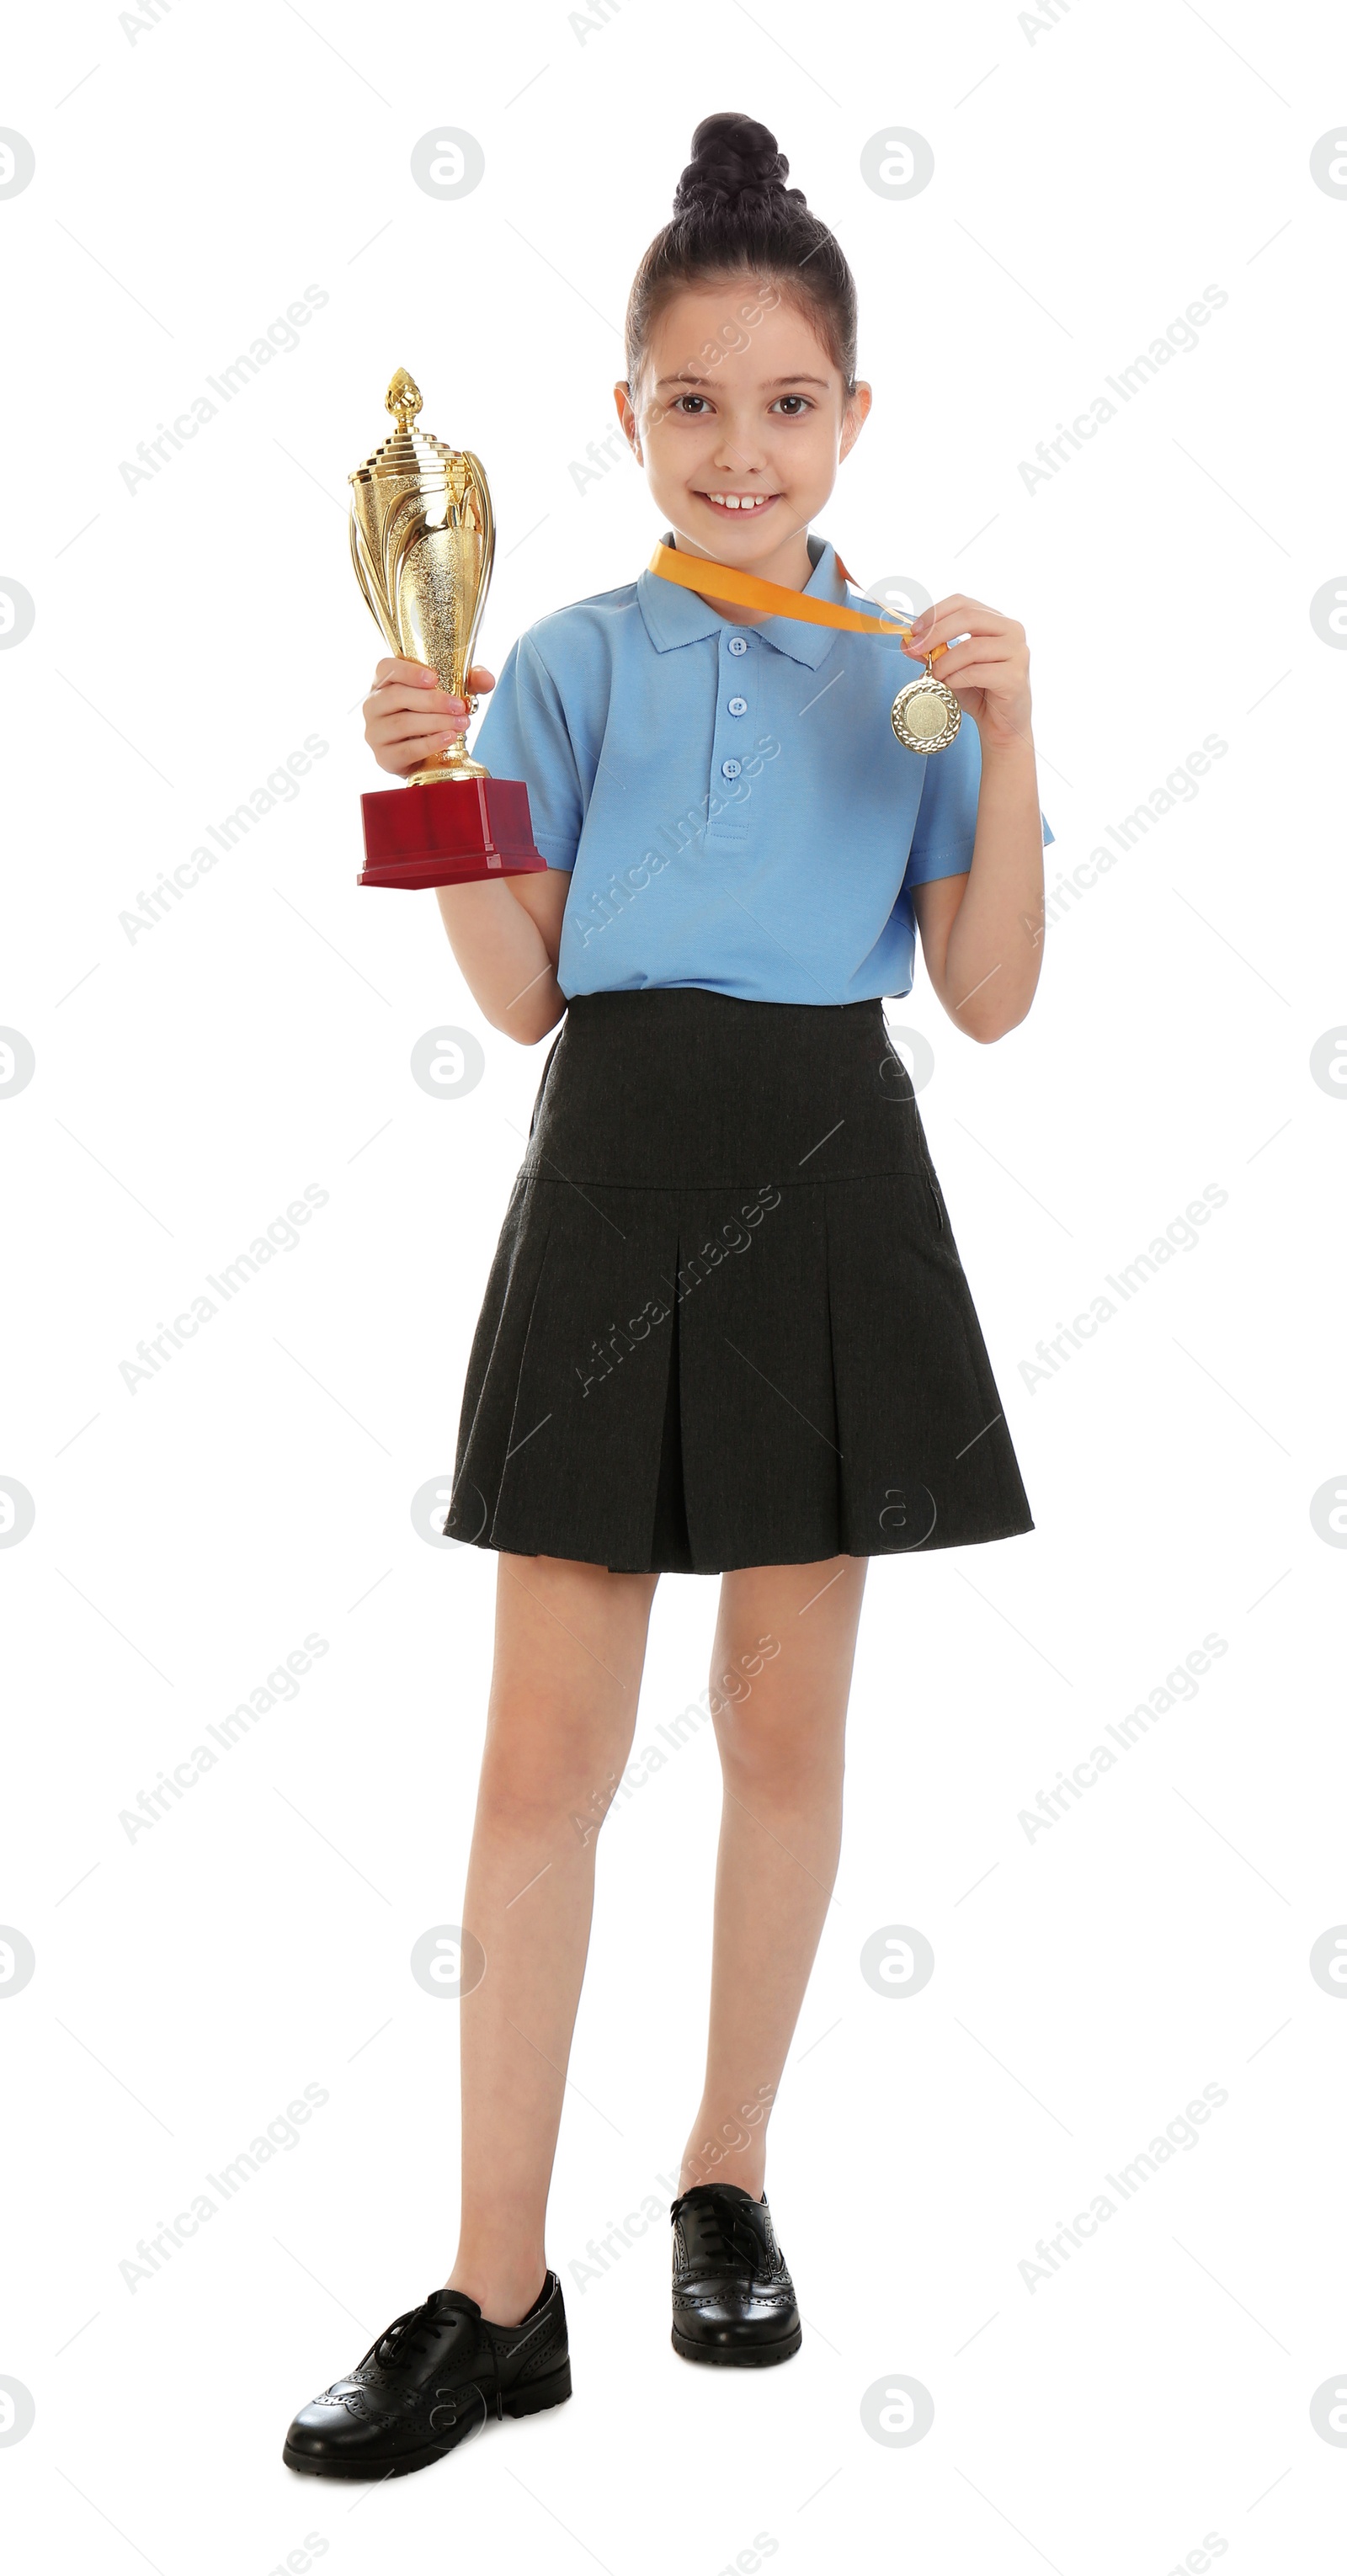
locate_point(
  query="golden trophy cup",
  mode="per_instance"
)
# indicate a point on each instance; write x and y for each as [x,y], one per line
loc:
[423,535]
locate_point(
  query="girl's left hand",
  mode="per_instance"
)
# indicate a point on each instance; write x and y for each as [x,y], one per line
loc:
[988,672]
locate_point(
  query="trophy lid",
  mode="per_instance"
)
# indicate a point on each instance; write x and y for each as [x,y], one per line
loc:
[403,398]
[412,451]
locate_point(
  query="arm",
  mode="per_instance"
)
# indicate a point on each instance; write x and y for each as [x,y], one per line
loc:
[982,932]
[505,934]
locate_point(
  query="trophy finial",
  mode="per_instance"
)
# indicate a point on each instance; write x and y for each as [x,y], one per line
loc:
[403,398]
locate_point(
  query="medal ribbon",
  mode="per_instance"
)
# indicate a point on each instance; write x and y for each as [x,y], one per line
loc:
[693,572]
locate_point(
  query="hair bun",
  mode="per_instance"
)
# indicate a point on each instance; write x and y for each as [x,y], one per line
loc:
[733,157]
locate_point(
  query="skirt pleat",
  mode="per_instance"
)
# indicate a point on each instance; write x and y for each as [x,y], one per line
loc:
[726,1323]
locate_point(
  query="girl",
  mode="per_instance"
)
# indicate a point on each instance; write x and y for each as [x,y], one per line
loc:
[727,1330]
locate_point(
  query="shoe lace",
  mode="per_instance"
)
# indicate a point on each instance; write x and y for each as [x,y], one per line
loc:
[724,2228]
[405,2340]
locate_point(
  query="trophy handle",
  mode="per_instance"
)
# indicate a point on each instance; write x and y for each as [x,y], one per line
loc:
[488,540]
[368,586]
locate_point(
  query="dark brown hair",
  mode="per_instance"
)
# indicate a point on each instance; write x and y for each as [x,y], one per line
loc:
[733,215]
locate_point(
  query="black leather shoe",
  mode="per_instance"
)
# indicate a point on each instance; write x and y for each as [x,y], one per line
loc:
[733,2299]
[433,2377]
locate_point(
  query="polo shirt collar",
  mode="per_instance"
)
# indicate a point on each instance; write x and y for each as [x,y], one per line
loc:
[676,616]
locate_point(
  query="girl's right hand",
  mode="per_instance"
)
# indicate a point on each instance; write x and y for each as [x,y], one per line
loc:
[408,716]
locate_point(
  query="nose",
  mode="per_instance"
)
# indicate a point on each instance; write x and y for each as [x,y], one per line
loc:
[736,450]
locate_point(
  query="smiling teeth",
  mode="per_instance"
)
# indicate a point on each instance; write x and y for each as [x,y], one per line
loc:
[739,500]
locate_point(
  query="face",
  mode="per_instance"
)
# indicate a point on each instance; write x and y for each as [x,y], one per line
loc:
[740,420]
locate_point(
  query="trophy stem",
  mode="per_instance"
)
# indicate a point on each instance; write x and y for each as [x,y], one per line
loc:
[448,766]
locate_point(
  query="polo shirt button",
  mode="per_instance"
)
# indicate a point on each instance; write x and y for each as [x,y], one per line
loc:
[730,768]
[738,706]
[738,644]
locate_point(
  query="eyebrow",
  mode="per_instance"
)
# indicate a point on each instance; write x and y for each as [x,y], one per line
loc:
[773,385]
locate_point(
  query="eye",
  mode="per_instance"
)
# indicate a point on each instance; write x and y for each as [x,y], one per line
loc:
[680,399]
[803,401]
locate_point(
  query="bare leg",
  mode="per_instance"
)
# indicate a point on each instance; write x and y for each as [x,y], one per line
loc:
[780,1732]
[570,1646]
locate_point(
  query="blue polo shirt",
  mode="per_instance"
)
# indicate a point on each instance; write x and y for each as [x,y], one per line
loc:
[732,802]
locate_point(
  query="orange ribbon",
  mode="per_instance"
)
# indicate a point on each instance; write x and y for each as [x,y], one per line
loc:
[693,572]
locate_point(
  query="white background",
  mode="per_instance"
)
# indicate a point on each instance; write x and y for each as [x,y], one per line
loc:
[1092,176]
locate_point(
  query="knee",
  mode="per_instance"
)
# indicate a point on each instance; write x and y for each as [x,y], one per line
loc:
[541,1768]
[773,1756]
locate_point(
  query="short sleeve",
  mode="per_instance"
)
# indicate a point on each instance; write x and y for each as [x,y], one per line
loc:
[946,824]
[524,734]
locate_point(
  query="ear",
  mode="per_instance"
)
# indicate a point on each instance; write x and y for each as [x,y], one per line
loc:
[854,418]
[627,415]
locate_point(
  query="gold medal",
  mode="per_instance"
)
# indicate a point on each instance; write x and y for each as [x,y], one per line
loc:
[926,715]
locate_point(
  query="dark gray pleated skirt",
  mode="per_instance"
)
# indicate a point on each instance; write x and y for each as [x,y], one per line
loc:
[727,1323]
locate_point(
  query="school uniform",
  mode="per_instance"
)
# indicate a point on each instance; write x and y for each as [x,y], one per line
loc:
[727,1323]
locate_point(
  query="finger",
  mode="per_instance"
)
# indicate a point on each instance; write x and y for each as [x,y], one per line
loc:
[393,731]
[479,679]
[411,755]
[979,649]
[425,703]
[402,672]
[958,616]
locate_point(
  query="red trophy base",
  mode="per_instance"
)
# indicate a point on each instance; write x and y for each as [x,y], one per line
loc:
[455,833]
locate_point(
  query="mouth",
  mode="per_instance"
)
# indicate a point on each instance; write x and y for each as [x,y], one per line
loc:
[739,505]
